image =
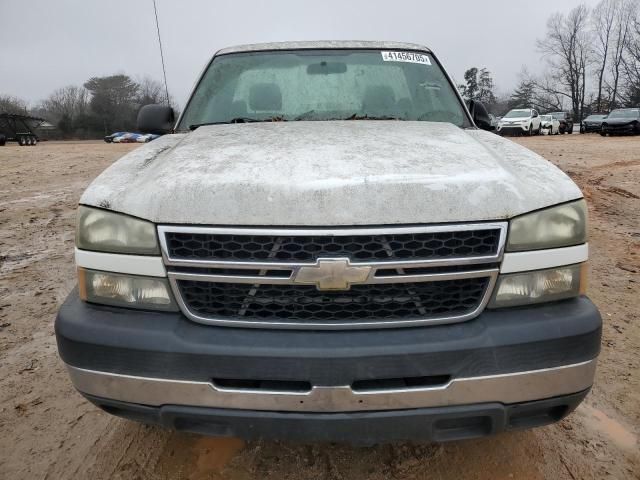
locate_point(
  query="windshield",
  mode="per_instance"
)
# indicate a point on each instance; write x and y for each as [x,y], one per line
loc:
[624,114]
[546,118]
[323,85]
[595,117]
[558,115]
[518,114]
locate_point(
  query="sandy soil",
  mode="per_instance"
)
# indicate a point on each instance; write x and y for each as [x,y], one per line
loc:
[50,432]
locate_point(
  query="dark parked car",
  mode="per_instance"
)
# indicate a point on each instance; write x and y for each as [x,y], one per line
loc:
[621,121]
[565,119]
[593,123]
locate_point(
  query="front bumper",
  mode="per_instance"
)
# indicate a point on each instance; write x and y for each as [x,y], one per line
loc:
[513,129]
[361,428]
[223,380]
[619,129]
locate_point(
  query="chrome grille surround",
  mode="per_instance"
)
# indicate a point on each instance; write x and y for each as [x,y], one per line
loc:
[285,272]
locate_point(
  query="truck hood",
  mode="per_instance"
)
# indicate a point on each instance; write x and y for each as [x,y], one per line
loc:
[328,174]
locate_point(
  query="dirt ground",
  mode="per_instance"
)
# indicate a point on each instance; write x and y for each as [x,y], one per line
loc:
[49,432]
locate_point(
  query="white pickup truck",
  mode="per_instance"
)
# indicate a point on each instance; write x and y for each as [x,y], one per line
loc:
[326,247]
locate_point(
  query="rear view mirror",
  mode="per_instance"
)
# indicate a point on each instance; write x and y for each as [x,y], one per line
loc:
[326,68]
[480,115]
[157,119]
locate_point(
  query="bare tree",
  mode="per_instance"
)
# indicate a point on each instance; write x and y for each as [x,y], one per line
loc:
[150,91]
[567,47]
[625,17]
[11,104]
[630,93]
[545,96]
[536,92]
[603,19]
[70,102]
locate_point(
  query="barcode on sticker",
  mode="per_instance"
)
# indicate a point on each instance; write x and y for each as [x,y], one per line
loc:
[410,57]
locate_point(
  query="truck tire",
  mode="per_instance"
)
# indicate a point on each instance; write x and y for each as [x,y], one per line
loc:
[3,140]
[22,141]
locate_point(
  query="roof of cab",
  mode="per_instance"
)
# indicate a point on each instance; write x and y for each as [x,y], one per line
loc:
[323,45]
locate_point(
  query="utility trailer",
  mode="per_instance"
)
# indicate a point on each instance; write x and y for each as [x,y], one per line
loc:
[19,128]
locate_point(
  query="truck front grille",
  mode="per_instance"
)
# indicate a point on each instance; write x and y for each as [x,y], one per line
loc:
[304,303]
[304,248]
[386,277]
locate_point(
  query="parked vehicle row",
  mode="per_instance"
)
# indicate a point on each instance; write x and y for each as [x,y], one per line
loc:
[621,121]
[128,137]
[527,121]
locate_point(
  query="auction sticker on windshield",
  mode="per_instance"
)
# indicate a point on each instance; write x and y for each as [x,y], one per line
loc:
[411,57]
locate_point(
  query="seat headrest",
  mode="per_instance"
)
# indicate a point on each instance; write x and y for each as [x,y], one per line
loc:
[265,96]
[378,99]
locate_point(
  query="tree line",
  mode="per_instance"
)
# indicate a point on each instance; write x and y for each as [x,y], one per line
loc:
[99,107]
[591,64]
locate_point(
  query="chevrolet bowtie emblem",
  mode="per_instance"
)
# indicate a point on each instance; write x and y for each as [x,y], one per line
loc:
[332,274]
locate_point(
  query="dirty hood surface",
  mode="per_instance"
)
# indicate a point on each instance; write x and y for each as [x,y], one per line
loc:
[329,173]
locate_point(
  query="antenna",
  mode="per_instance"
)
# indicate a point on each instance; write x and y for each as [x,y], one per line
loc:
[164,71]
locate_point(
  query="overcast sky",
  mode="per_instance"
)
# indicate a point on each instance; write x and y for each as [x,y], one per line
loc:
[47,44]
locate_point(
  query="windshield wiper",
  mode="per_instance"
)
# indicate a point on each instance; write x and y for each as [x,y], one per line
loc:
[356,116]
[238,120]
[305,116]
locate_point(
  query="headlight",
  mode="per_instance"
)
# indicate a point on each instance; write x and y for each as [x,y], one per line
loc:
[125,290]
[540,286]
[560,226]
[105,231]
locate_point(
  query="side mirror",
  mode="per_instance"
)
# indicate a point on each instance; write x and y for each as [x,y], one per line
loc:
[158,119]
[480,115]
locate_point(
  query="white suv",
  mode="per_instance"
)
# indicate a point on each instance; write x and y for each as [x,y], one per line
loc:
[520,121]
